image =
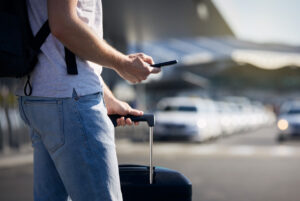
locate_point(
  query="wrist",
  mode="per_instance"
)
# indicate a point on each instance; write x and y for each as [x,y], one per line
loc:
[112,105]
[122,63]
[109,98]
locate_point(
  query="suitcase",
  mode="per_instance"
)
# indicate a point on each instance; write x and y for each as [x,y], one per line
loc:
[148,183]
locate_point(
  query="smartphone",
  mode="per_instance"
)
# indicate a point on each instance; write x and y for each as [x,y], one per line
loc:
[168,63]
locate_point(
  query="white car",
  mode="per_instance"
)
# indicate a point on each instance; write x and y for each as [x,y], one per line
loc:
[242,116]
[229,115]
[187,118]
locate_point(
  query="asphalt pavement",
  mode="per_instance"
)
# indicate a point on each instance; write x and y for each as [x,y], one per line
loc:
[250,166]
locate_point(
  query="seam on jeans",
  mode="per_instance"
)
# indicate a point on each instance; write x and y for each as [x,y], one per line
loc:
[61,125]
[80,120]
[92,153]
[38,134]
[83,133]
[46,102]
[23,111]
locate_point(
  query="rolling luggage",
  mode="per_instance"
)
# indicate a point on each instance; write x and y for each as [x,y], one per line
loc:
[148,183]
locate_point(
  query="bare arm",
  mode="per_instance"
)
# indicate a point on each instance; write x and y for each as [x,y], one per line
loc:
[78,37]
[67,27]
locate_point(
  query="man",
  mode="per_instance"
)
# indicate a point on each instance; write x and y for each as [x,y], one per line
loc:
[72,136]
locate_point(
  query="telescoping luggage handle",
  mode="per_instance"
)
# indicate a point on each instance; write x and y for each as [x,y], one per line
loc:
[149,118]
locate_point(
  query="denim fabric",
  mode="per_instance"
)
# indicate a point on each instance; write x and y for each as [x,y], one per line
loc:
[74,148]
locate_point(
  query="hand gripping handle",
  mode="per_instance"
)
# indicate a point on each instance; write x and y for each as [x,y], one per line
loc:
[149,118]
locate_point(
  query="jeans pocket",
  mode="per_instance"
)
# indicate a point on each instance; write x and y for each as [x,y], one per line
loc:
[95,96]
[46,117]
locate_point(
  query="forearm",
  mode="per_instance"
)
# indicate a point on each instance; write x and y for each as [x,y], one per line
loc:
[115,106]
[79,37]
[107,94]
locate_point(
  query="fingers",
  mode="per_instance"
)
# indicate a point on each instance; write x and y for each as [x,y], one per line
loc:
[147,70]
[137,68]
[128,121]
[147,58]
[123,122]
[130,111]
[135,112]
[155,70]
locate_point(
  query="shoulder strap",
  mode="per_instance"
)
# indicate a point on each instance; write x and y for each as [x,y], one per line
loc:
[71,62]
[37,42]
[40,38]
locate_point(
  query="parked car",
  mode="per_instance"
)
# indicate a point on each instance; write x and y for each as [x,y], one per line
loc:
[187,118]
[288,121]
[229,116]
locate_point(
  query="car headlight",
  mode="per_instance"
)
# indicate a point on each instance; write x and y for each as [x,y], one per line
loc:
[201,123]
[283,124]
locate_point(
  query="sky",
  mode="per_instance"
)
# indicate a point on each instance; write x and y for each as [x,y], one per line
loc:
[275,21]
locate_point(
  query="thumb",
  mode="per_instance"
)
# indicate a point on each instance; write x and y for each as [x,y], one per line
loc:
[135,112]
[155,70]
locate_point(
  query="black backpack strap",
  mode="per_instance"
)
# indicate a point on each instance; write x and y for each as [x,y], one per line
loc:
[37,42]
[40,37]
[71,62]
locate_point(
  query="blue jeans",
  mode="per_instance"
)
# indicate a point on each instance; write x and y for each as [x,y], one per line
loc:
[74,148]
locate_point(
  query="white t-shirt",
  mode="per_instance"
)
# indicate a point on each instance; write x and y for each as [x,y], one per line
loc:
[50,78]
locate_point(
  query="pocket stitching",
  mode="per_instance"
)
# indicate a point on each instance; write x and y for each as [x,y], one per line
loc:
[22,112]
[28,102]
[80,120]
[88,97]
[61,125]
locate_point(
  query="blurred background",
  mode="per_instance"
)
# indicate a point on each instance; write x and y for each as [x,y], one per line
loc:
[227,115]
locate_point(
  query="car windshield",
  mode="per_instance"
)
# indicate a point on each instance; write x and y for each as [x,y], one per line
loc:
[180,108]
[294,111]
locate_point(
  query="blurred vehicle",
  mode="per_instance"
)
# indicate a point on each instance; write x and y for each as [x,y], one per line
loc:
[288,121]
[201,119]
[246,115]
[229,117]
[187,118]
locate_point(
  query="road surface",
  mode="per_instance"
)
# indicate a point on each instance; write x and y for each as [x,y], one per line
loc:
[246,167]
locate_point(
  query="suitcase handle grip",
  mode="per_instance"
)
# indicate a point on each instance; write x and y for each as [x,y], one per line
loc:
[149,118]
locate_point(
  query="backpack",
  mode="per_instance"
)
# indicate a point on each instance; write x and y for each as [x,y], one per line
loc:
[19,48]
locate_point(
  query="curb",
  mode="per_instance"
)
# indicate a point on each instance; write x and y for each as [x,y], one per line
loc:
[17,160]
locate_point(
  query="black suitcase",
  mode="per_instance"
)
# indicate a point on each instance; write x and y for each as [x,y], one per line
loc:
[148,183]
